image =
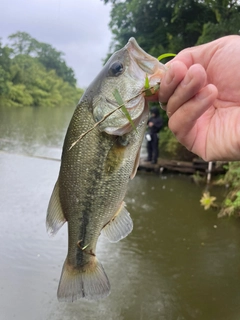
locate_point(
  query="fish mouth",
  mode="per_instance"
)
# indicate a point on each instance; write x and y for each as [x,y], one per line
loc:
[147,63]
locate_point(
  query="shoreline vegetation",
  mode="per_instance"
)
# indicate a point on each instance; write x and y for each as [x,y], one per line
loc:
[35,74]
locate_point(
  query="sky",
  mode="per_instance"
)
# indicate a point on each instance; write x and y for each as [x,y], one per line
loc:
[79,28]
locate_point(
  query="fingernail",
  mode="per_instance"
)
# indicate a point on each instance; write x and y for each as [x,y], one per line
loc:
[163,105]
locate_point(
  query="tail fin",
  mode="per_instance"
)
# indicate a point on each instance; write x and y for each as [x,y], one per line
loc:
[90,283]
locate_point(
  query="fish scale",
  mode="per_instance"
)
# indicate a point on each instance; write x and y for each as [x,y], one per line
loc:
[95,172]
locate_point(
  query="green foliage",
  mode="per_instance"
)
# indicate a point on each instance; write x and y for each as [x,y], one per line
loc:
[227,20]
[159,26]
[19,95]
[231,203]
[120,102]
[162,26]
[52,60]
[34,74]
[232,177]
[3,80]
[5,63]
[23,44]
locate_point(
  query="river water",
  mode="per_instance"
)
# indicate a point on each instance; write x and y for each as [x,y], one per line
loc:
[179,263]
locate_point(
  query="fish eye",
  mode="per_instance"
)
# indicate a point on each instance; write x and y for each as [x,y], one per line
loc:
[116,69]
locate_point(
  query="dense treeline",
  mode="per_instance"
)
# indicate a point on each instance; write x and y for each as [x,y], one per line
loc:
[162,26]
[35,74]
[171,25]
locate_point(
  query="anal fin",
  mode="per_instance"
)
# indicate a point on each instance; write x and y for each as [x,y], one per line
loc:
[119,226]
[55,217]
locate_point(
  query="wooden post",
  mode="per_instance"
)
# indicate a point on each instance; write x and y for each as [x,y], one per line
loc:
[209,172]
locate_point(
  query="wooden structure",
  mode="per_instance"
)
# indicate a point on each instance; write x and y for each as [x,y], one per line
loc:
[187,167]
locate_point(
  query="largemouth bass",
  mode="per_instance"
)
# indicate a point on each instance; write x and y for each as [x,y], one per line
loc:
[95,172]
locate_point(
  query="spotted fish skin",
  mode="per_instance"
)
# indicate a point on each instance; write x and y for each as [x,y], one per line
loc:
[94,173]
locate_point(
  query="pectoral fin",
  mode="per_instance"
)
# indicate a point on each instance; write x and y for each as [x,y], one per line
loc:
[136,164]
[55,217]
[119,226]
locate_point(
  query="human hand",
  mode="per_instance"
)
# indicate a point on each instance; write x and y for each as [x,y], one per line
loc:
[202,90]
[150,124]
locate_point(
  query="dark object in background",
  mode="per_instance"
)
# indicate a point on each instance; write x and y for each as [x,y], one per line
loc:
[155,124]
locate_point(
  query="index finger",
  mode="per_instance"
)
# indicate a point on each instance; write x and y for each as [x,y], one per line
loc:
[174,75]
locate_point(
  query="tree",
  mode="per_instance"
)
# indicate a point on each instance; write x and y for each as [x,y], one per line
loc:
[23,43]
[53,60]
[227,20]
[188,19]
[161,26]
[146,20]
[35,74]
[5,62]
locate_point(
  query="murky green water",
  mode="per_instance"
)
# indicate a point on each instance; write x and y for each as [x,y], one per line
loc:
[179,263]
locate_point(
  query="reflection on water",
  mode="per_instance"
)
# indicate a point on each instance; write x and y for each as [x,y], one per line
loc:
[179,263]
[34,131]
